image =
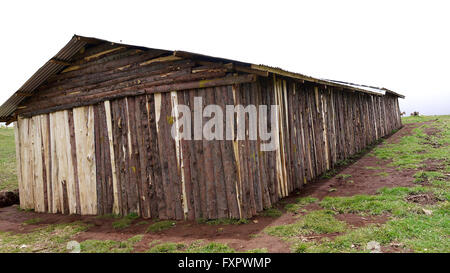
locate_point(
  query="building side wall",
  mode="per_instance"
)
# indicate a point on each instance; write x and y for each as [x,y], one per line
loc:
[118,156]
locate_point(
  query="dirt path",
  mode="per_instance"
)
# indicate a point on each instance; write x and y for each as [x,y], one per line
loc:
[368,174]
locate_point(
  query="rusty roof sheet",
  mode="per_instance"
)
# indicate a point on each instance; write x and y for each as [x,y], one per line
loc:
[47,70]
[56,65]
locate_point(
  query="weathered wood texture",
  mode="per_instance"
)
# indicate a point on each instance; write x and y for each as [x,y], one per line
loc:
[97,139]
[107,72]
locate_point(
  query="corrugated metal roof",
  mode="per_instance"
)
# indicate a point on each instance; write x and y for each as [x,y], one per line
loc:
[56,64]
[47,70]
[364,87]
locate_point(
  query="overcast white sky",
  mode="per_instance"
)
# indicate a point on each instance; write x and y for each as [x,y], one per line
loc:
[400,45]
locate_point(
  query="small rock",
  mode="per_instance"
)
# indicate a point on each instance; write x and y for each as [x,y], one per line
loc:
[427,211]
[23,246]
[374,247]
[255,221]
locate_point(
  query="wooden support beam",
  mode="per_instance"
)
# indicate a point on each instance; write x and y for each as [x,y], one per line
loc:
[59,61]
[23,94]
[135,91]
[244,69]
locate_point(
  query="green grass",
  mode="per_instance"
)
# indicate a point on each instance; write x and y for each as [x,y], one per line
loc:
[384,174]
[125,221]
[315,222]
[223,221]
[110,246]
[329,174]
[300,203]
[32,221]
[257,250]
[168,247]
[8,177]
[195,247]
[412,150]
[213,247]
[160,226]
[416,232]
[373,168]
[417,119]
[343,176]
[388,200]
[272,212]
[52,238]
[428,176]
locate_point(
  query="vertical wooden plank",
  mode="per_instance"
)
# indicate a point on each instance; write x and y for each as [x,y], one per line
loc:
[73,154]
[115,186]
[246,156]
[197,162]
[238,147]
[221,194]
[28,172]
[185,164]
[180,168]
[45,157]
[49,165]
[55,185]
[262,155]
[153,110]
[253,150]
[287,137]
[100,183]
[295,140]
[211,197]
[134,168]
[161,114]
[37,179]
[301,114]
[120,148]
[280,100]
[143,142]
[85,148]
[324,111]
[193,173]
[224,96]
[271,156]
[108,190]
[19,159]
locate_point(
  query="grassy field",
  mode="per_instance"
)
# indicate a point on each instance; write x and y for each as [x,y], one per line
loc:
[8,178]
[423,154]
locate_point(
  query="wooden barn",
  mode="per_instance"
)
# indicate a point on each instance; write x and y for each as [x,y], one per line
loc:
[93,132]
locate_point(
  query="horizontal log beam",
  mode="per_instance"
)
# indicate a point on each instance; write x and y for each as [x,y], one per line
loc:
[138,90]
[59,61]
[140,83]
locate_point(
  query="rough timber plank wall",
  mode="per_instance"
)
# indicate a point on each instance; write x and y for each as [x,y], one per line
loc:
[119,157]
[324,125]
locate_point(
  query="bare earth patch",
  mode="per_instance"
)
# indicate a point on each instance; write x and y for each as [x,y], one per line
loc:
[422,198]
